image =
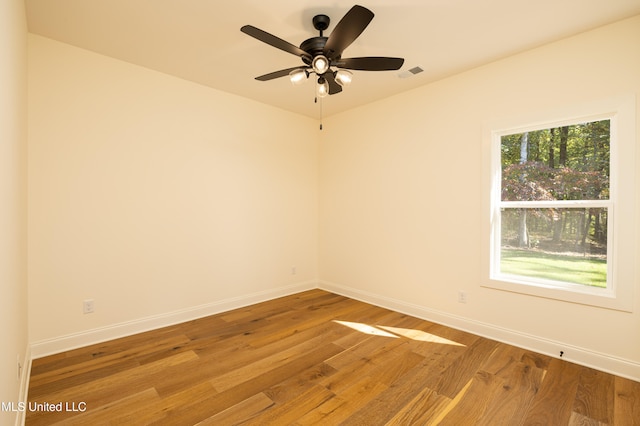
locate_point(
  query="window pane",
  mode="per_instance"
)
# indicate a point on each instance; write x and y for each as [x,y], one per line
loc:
[561,163]
[567,245]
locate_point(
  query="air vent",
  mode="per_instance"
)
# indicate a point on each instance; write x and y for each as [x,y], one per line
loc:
[413,71]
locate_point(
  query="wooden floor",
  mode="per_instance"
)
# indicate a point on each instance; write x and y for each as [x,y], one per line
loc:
[320,358]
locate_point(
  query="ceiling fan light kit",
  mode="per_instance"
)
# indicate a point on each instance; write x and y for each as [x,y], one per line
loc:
[322,88]
[298,76]
[344,77]
[319,54]
[320,64]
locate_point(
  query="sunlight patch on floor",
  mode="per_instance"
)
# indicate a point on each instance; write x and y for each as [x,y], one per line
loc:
[365,328]
[396,332]
[420,335]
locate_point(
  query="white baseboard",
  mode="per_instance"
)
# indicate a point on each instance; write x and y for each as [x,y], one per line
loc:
[59,344]
[588,358]
[25,374]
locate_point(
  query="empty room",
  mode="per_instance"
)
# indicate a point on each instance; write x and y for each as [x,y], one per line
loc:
[423,212]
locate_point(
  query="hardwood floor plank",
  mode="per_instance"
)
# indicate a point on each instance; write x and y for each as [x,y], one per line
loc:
[577,419]
[451,334]
[451,405]
[482,389]
[194,412]
[229,355]
[243,412]
[138,409]
[250,371]
[386,362]
[458,374]
[397,367]
[100,392]
[302,320]
[595,396]
[511,405]
[69,377]
[504,359]
[536,360]
[194,404]
[322,358]
[296,408]
[364,351]
[626,402]
[103,366]
[128,344]
[299,383]
[399,393]
[339,408]
[554,401]
[393,370]
[521,381]
[175,378]
[424,409]
[273,307]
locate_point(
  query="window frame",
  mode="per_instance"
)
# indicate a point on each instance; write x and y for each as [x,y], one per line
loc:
[620,206]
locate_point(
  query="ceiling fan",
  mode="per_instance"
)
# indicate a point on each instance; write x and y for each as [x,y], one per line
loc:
[323,55]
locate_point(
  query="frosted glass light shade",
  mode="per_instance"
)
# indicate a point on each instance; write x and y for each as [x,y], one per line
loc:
[320,64]
[344,77]
[298,76]
[322,88]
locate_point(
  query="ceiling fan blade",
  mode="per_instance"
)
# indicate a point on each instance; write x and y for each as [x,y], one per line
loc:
[370,63]
[278,74]
[274,41]
[334,87]
[347,30]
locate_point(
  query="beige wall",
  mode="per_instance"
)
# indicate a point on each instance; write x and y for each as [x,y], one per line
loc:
[152,195]
[13,141]
[401,195]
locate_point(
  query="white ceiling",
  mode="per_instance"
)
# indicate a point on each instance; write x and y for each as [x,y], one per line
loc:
[200,40]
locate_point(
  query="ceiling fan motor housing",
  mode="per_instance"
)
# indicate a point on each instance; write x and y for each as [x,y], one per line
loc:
[315,45]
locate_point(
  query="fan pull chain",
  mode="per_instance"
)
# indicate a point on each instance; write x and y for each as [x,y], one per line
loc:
[316,101]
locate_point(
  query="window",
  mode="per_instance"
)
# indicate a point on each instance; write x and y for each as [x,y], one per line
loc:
[559,209]
[554,205]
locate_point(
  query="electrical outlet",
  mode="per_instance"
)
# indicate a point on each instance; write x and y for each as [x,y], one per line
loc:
[462,297]
[88,307]
[293,270]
